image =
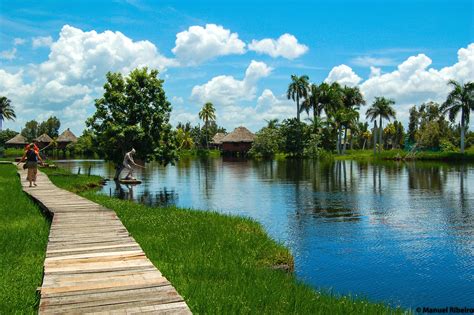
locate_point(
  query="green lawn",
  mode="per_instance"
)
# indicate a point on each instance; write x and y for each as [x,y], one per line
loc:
[400,154]
[23,238]
[219,263]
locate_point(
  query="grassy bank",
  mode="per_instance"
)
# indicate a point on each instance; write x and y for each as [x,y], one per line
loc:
[404,155]
[23,239]
[199,153]
[219,263]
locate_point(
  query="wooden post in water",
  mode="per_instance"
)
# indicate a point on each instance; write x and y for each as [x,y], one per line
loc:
[89,171]
[79,171]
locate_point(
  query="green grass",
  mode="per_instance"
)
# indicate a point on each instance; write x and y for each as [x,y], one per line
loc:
[219,263]
[400,154]
[23,238]
[199,153]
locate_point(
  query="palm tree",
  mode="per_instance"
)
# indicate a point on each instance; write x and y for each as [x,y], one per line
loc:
[311,102]
[207,113]
[461,98]
[6,110]
[352,100]
[272,123]
[298,89]
[381,108]
[330,98]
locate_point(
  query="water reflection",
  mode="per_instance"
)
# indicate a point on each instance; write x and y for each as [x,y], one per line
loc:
[394,231]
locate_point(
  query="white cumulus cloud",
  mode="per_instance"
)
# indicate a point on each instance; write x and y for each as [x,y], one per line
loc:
[344,75]
[285,46]
[72,77]
[198,44]
[226,90]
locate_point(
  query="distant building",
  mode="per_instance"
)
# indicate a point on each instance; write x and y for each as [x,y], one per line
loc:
[17,142]
[43,141]
[66,138]
[238,141]
[216,141]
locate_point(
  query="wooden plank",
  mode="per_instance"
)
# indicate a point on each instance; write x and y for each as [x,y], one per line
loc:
[92,263]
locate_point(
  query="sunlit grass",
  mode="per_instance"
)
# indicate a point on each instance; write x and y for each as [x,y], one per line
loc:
[23,237]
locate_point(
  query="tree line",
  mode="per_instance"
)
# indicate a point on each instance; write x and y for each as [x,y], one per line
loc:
[335,124]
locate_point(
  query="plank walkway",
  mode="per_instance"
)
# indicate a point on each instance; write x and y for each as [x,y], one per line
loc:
[92,264]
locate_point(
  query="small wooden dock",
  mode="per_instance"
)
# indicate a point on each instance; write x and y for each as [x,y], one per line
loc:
[92,264]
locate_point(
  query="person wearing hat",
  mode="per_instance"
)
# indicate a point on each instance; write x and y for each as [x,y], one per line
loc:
[128,163]
[32,157]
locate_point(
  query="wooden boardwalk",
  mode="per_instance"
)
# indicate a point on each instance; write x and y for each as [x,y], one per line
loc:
[92,264]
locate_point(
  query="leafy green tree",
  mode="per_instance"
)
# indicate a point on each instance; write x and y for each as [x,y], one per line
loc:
[134,113]
[184,139]
[294,135]
[268,141]
[460,99]
[50,127]
[6,135]
[413,123]
[30,131]
[381,108]
[6,110]
[85,144]
[207,113]
[297,90]
[429,135]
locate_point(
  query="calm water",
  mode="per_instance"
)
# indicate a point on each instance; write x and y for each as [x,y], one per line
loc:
[401,233]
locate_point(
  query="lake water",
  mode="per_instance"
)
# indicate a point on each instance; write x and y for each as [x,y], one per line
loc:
[401,233]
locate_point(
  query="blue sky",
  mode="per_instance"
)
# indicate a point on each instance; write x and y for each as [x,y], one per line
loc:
[54,54]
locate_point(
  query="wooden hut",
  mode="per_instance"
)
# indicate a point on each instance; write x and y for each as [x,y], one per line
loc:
[66,138]
[43,141]
[238,141]
[17,142]
[216,142]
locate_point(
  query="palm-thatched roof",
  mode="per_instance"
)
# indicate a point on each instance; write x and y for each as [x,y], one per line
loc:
[67,136]
[240,134]
[18,139]
[44,138]
[217,139]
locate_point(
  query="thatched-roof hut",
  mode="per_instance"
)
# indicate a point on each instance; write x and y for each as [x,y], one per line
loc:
[43,141]
[66,138]
[17,141]
[216,141]
[238,141]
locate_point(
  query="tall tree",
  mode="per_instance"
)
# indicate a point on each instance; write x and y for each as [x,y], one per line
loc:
[30,131]
[207,113]
[297,90]
[352,99]
[460,99]
[330,98]
[381,108]
[311,102]
[133,113]
[50,127]
[413,123]
[6,110]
